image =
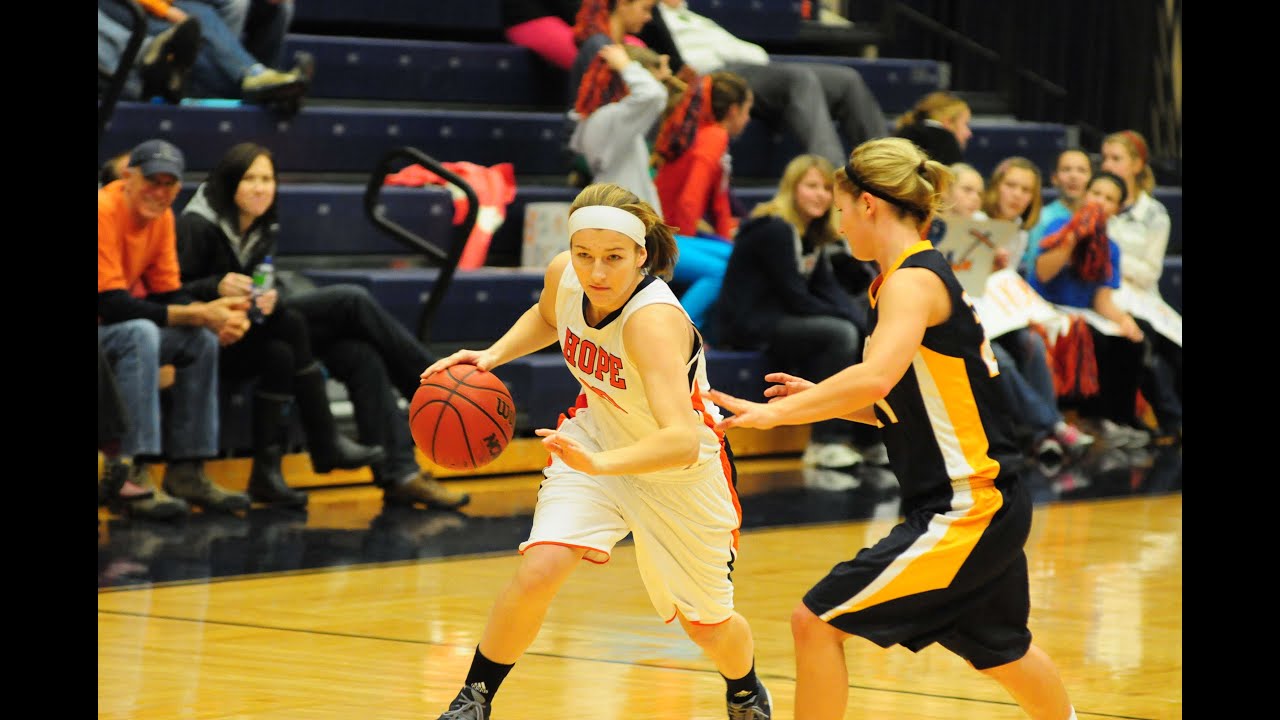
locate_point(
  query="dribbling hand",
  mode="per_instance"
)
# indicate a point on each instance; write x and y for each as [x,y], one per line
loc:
[482,359]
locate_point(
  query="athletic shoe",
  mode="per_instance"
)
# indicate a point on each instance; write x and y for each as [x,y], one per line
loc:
[830,455]
[1073,439]
[759,707]
[876,454]
[470,704]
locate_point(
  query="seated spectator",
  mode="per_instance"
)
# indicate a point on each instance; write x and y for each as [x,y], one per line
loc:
[218,246]
[229,225]
[1070,175]
[810,100]
[543,26]
[145,320]
[116,485]
[1013,194]
[781,295]
[223,68]
[1026,375]
[939,125]
[604,22]
[621,98]
[1078,266]
[694,167]
[1141,230]
[163,62]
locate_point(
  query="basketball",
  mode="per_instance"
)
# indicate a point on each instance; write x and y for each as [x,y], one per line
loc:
[462,417]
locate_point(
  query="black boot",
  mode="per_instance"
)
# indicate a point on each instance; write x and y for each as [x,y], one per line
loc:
[329,449]
[266,480]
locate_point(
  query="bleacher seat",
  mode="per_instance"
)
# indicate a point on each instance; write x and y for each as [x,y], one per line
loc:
[354,139]
[503,74]
[420,71]
[754,20]
[897,83]
[479,306]
[405,14]
[329,218]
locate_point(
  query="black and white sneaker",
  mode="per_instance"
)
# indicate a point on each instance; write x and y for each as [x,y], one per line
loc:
[759,707]
[470,704]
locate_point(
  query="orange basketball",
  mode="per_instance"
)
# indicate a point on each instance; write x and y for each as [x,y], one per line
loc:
[462,417]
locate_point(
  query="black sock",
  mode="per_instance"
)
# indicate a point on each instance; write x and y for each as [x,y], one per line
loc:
[744,688]
[486,675]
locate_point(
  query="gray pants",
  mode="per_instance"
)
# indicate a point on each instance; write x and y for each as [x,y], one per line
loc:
[812,100]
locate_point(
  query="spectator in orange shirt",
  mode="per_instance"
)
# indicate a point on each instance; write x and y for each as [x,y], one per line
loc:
[692,156]
[145,320]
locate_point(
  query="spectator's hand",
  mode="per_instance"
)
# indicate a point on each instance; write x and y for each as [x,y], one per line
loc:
[175,14]
[615,56]
[1001,260]
[1130,329]
[235,285]
[267,301]
[228,314]
[663,72]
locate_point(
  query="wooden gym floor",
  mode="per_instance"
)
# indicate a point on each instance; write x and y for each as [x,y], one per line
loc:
[349,610]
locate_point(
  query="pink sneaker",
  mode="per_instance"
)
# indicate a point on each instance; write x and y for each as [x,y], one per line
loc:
[1072,438]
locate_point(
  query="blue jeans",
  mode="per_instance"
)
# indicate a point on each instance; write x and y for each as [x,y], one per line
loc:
[701,266]
[136,349]
[113,38]
[1028,384]
[222,61]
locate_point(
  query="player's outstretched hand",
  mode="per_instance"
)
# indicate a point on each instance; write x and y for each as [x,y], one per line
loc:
[568,450]
[784,385]
[746,414]
[482,359]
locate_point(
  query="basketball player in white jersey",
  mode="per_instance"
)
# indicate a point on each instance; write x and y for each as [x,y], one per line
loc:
[638,453]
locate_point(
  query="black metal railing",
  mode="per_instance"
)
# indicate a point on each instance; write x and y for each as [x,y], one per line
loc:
[115,86]
[445,258]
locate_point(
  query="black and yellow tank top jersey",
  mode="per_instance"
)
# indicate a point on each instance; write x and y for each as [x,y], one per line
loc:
[946,421]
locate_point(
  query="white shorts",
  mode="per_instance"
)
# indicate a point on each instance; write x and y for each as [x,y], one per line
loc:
[686,534]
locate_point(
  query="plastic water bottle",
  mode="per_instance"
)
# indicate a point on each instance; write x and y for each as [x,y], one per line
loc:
[264,278]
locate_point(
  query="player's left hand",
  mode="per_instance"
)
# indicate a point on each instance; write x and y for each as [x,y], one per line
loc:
[568,450]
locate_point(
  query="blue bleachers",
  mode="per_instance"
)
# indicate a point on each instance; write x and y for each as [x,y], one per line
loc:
[354,139]
[361,68]
[407,14]
[430,71]
[480,305]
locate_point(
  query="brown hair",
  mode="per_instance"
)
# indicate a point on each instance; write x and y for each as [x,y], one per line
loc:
[660,239]
[938,105]
[705,101]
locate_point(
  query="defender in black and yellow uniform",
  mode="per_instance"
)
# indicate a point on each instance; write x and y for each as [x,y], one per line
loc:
[953,572]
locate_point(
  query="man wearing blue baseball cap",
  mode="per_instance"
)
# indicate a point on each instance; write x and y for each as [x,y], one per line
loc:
[145,320]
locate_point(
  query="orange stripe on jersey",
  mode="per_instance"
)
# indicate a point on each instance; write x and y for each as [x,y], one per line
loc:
[700,407]
[933,560]
[953,415]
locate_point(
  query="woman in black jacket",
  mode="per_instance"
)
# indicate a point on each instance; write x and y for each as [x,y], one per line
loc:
[218,246]
[782,294]
[228,227]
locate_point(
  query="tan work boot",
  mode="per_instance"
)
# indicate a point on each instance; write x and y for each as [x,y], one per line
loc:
[188,481]
[424,489]
[157,505]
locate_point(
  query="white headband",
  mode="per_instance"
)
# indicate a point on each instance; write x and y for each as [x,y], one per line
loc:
[604,217]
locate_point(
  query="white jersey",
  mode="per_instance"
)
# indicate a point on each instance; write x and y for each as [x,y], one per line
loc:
[617,409]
